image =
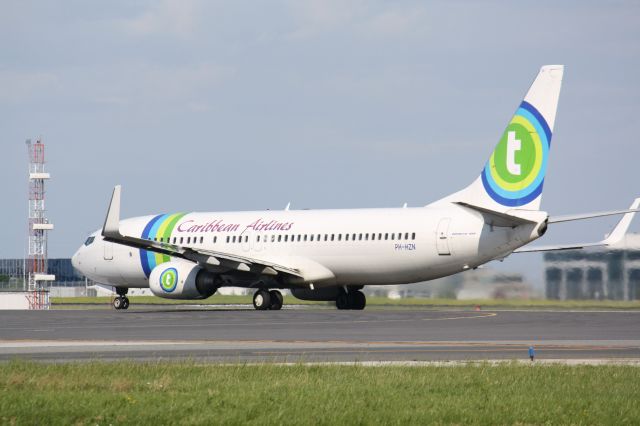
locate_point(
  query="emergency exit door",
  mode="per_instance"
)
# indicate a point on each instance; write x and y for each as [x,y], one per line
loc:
[442,237]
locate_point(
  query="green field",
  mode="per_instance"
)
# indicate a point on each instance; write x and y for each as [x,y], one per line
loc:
[185,393]
[59,302]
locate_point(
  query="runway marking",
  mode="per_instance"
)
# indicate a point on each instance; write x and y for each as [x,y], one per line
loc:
[319,345]
[401,350]
[489,314]
[253,324]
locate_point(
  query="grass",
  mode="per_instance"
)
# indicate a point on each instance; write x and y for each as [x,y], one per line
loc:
[187,393]
[373,301]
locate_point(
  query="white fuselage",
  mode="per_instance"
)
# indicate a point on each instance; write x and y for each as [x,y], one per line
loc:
[358,247]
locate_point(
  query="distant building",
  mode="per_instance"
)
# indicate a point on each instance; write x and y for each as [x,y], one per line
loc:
[612,274]
[483,283]
[12,273]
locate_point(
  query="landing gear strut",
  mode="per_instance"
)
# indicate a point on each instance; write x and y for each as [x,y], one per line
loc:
[354,299]
[264,299]
[121,301]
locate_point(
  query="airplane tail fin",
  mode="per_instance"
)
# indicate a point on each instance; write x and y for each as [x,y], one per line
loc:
[514,175]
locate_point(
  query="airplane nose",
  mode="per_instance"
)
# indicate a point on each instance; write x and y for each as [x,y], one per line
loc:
[75,260]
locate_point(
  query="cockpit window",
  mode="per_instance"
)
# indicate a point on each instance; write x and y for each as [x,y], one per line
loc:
[89,240]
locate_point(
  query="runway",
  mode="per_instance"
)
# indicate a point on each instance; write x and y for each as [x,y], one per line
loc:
[316,335]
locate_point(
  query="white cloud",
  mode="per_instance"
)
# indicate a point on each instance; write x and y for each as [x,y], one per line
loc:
[135,83]
[387,20]
[176,17]
[397,22]
[25,86]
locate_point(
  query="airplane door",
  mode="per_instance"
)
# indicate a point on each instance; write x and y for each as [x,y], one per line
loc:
[108,251]
[442,237]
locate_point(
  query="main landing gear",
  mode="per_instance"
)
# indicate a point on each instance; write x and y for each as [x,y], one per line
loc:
[121,301]
[354,299]
[264,299]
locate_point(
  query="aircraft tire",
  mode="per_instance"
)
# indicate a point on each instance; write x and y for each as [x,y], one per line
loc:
[117,303]
[342,302]
[276,300]
[261,300]
[358,300]
[125,303]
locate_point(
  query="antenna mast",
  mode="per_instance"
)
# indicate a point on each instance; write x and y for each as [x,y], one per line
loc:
[38,227]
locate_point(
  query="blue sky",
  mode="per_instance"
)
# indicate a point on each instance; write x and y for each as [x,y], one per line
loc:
[201,105]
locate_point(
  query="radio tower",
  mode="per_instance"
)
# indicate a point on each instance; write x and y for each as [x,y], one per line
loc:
[36,264]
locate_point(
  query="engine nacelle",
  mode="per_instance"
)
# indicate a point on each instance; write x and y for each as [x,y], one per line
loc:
[182,280]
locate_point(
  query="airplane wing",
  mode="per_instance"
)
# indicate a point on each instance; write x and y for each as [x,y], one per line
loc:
[614,237]
[208,259]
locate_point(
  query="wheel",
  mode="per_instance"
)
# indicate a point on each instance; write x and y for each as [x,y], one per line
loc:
[118,302]
[261,300]
[125,303]
[276,300]
[358,300]
[342,302]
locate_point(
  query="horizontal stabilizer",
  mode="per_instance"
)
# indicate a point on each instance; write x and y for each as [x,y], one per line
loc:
[613,238]
[583,216]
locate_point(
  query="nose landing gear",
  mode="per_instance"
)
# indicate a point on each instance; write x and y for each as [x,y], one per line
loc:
[264,299]
[121,301]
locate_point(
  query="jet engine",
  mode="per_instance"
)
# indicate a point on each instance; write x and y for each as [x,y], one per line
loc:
[182,280]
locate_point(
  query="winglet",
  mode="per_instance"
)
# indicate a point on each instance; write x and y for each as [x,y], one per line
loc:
[111,226]
[622,227]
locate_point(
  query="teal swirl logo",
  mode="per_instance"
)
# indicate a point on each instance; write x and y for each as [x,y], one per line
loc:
[169,279]
[514,174]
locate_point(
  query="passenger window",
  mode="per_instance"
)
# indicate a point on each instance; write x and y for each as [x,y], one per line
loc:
[279,238]
[174,240]
[413,236]
[228,239]
[331,237]
[360,237]
[380,236]
[319,237]
[353,237]
[366,237]
[215,240]
[201,240]
[393,237]
[181,240]
[311,238]
[299,236]
[233,239]
[346,237]
[373,237]
[258,238]
[305,237]
[339,237]
[326,236]
[386,236]
[406,236]
[273,238]
[286,238]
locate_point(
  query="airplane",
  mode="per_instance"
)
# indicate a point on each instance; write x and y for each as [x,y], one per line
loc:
[330,255]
